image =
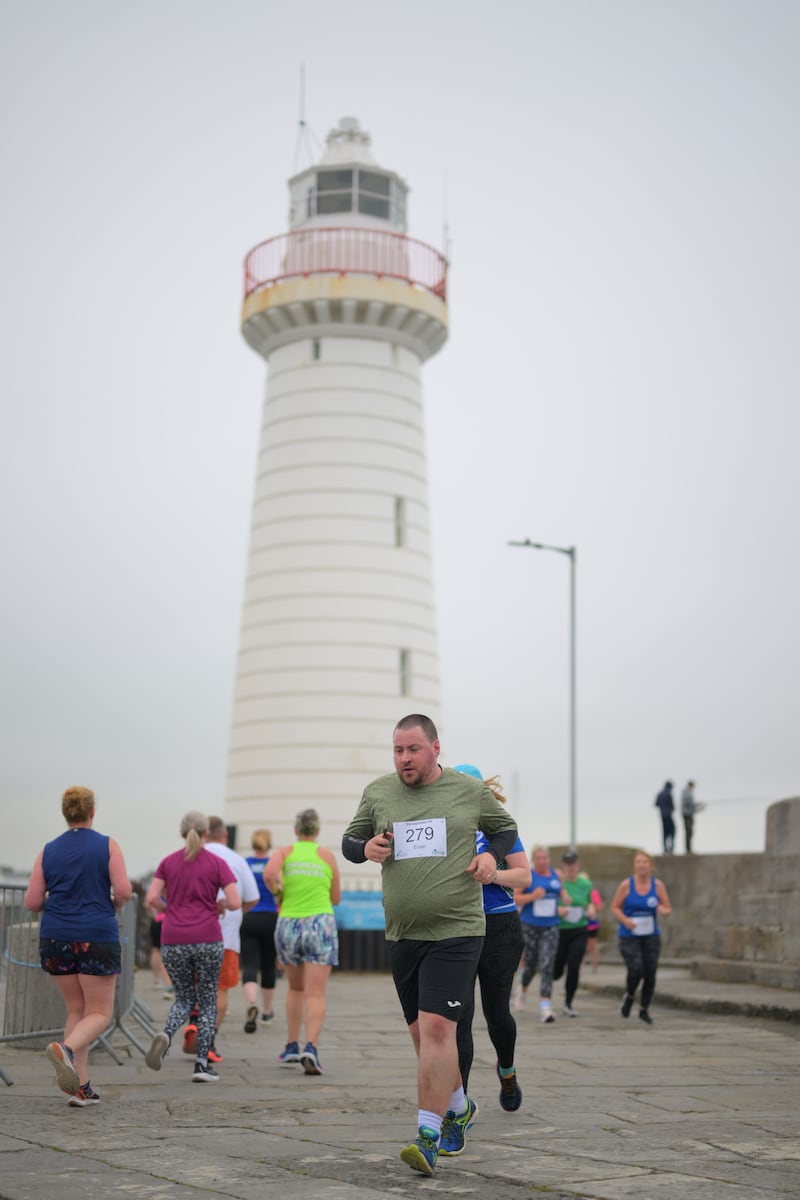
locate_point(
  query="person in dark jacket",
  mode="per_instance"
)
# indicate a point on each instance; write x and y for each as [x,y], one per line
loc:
[666,806]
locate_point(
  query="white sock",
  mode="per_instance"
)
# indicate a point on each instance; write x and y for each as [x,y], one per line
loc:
[430,1120]
[458,1102]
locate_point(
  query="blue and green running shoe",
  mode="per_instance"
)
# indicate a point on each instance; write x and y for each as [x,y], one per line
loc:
[454,1129]
[421,1155]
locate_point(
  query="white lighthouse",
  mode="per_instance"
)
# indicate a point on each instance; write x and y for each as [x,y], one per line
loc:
[338,633]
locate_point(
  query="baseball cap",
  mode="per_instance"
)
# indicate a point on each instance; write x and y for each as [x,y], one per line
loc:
[468,769]
[569,856]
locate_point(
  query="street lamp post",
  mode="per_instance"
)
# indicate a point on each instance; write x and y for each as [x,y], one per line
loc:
[571,553]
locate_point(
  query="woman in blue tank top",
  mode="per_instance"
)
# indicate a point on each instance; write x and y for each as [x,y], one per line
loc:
[540,912]
[258,937]
[497,965]
[77,884]
[637,905]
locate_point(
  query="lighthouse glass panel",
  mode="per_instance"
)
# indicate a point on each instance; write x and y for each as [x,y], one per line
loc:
[373,194]
[399,204]
[334,191]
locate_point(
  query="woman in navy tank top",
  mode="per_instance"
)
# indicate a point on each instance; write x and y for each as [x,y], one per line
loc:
[77,884]
[638,903]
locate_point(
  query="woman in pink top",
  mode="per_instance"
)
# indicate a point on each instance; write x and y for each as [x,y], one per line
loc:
[191,938]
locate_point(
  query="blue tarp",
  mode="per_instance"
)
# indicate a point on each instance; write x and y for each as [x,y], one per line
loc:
[360,910]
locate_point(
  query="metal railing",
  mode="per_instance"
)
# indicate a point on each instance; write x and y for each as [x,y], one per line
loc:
[31,1007]
[345,250]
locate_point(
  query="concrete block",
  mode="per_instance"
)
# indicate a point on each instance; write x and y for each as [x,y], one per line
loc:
[760,908]
[764,943]
[783,827]
[731,942]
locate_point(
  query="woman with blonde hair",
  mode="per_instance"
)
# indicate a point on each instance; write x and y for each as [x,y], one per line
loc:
[77,883]
[538,905]
[638,902]
[184,888]
[497,966]
[258,937]
[306,876]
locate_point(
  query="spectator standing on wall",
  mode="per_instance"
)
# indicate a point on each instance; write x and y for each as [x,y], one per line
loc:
[666,806]
[689,809]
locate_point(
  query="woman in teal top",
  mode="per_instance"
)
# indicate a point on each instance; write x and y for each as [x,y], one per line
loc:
[305,878]
[573,933]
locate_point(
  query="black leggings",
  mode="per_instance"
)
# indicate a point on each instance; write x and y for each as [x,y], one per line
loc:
[497,966]
[571,949]
[641,959]
[258,947]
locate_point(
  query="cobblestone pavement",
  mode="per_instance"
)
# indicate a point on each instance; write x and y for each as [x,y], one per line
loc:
[696,1107]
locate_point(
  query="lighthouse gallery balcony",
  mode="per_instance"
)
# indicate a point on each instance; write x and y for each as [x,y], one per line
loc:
[321,281]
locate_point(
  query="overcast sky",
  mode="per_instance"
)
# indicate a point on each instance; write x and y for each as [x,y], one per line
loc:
[620,183]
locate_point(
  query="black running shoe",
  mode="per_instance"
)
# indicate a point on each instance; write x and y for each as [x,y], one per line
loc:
[510,1091]
[204,1073]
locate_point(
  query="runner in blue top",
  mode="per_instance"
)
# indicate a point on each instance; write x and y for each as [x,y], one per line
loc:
[637,905]
[502,947]
[539,905]
[258,937]
[78,883]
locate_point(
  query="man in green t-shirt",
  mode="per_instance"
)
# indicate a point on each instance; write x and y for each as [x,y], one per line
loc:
[420,823]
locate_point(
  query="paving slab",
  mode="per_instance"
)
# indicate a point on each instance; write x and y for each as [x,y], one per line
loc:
[701,1104]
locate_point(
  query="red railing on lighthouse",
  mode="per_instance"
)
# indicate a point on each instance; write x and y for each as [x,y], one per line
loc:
[341,250]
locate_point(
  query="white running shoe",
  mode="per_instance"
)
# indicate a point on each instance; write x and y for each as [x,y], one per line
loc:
[158,1049]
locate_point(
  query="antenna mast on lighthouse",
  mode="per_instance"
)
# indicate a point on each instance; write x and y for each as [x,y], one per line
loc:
[305,138]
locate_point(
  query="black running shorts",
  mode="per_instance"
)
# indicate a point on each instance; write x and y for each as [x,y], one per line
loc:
[434,977]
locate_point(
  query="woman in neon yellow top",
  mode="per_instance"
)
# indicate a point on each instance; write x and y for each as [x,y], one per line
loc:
[305,877]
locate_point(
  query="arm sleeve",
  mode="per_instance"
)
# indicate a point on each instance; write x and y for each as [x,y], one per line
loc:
[500,828]
[353,848]
[358,833]
[502,844]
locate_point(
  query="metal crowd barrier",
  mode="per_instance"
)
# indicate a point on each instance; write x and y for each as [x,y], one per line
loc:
[125,1003]
[31,1006]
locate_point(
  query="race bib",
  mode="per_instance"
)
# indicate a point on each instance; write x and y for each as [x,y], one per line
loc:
[420,839]
[574,914]
[545,908]
[643,926]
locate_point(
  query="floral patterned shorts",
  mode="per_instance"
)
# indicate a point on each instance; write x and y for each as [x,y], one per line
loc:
[301,940]
[79,958]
